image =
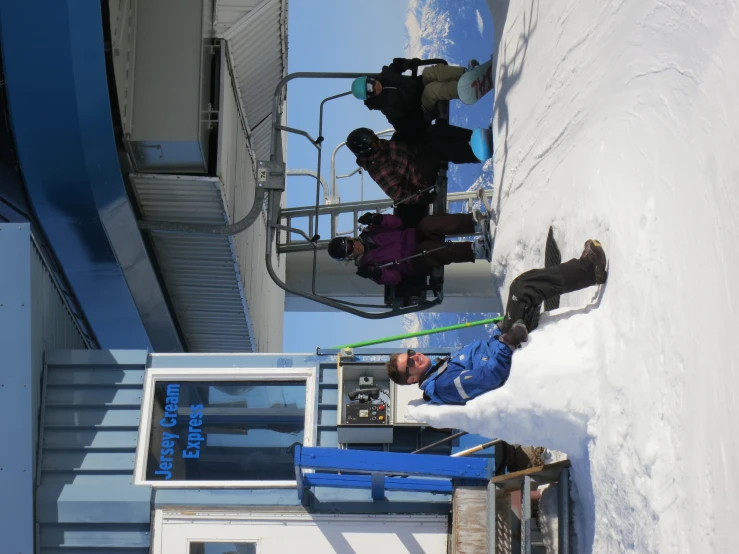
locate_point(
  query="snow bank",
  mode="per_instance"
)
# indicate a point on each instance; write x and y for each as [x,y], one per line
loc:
[620,120]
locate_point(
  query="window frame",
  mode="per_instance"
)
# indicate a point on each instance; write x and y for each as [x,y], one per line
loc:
[307,374]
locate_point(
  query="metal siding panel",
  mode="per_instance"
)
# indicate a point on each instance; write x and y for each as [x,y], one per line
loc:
[229,12]
[86,500]
[85,504]
[93,396]
[114,536]
[225,497]
[100,480]
[52,324]
[87,461]
[89,440]
[98,376]
[93,418]
[93,550]
[16,396]
[95,359]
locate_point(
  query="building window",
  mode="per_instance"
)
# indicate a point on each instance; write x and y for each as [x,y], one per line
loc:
[223,548]
[217,430]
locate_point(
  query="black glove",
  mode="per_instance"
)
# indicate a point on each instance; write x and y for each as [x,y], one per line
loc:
[370,218]
[401,65]
[398,65]
[369,272]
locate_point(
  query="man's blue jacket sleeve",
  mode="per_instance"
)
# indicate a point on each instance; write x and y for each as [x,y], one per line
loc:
[476,368]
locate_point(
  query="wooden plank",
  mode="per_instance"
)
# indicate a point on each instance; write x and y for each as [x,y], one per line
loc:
[548,473]
[470,520]
[92,396]
[99,376]
[563,493]
[55,439]
[526,515]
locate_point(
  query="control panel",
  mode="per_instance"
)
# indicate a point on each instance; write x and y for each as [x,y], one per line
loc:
[361,413]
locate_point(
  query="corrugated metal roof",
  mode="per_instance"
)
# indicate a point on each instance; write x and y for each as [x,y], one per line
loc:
[237,172]
[257,40]
[201,272]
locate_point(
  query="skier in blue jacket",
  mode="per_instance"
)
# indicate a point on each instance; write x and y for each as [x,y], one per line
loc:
[484,365]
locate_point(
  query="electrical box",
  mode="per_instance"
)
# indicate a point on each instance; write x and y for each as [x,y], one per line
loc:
[365,405]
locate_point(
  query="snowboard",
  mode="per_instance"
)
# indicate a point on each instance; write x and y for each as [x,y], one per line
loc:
[482,144]
[475,83]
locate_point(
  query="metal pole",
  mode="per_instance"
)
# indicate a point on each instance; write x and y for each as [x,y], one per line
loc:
[477,448]
[421,333]
[422,253]
[318,172]
[442,441]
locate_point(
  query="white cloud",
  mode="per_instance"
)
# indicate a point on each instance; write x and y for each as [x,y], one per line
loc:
[480,24]
[428,29]
[414,47]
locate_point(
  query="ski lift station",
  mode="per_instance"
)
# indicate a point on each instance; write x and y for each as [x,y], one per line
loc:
[147,254]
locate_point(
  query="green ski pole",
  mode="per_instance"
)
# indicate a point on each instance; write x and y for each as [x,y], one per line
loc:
[421,333]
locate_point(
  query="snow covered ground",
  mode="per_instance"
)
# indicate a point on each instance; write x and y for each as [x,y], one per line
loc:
[619,120]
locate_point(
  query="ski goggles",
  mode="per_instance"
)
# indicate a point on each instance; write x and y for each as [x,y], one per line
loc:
[370,86]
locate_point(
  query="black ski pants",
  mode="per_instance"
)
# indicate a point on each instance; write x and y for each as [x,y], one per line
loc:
[447,143]
[430,234]
[530,289]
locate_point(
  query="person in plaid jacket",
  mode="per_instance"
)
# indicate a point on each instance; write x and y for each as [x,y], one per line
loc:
[403,168]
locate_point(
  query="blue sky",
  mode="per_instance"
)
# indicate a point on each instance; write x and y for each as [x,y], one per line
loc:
[335,35]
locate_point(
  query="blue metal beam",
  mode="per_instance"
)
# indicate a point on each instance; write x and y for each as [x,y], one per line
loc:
[59,105]
[363,461]
[437,486]
[378,485]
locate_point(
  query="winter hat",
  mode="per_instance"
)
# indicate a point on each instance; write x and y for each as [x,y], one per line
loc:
[361,86]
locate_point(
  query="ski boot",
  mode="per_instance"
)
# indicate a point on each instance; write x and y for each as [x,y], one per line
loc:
[594,252]
[515,335]
[481,249]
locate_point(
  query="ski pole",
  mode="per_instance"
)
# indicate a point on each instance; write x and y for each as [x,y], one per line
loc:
[422,253]
[420,333]
[399,202]
[474,449]
[442,441]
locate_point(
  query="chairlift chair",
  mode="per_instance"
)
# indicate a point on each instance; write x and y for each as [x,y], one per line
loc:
[412,295]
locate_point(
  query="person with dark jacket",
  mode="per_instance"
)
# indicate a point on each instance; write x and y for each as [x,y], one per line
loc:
[485,365]
[408,102]
[403,169]
[408,251]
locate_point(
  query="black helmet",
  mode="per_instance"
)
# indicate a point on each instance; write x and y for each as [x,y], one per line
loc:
[360,141]
[340,248]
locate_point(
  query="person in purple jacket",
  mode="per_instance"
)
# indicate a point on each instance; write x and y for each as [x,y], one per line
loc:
[386,250]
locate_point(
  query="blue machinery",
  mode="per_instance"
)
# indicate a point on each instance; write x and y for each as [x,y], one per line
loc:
[377,465]
[381,471]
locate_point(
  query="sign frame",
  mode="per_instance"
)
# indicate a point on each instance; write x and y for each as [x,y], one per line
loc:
[236,375]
